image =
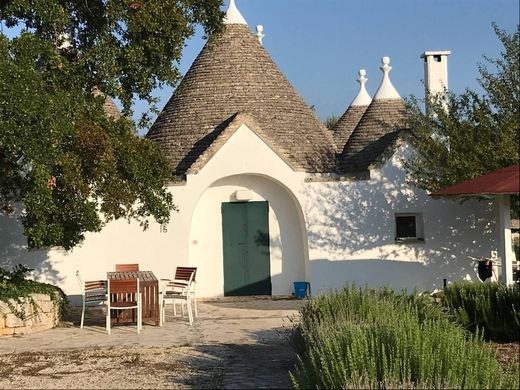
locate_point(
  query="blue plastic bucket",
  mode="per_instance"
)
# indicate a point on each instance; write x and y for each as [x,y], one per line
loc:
[300,289]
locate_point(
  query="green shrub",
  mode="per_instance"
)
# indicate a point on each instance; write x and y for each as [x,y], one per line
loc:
[360,338]
[15,286]
[492,307]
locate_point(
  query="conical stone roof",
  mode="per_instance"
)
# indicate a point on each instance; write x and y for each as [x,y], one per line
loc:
[378,129]
[346,125]
[109,106]
[351,117]
[376,132]
[111,109]
[234,74]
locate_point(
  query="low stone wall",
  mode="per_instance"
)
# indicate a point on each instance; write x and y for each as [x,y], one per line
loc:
[45,317]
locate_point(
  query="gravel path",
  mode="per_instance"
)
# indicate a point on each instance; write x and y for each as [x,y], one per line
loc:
[239,345]
[125,368]
[203,367]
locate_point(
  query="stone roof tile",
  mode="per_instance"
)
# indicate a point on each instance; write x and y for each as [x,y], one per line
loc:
[111,109]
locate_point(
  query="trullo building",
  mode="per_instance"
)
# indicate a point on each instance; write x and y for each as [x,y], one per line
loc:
[268,196]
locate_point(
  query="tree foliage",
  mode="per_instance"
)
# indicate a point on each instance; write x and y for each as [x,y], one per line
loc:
[331,121]
[70,166]
[466,135]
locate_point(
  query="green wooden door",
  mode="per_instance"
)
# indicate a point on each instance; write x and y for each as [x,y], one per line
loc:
[245,231]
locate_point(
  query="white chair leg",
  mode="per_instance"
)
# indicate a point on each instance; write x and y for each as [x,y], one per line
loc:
[174,309]
[188,306]
[139,313]
[195,305]
[108,320]
[161,313]
[82,315]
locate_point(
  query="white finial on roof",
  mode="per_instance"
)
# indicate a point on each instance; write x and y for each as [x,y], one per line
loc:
[260,33]
[233,15]
[386,89]
[362,98]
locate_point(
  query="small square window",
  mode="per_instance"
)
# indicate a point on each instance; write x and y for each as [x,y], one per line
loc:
[409,227]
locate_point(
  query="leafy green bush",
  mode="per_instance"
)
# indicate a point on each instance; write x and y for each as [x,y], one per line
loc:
[360,338]
[492,307]
[15,286]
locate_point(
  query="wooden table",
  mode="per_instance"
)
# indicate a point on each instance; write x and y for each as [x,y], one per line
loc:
[149,286]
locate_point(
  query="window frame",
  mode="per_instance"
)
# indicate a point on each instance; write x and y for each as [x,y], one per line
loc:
[419,227]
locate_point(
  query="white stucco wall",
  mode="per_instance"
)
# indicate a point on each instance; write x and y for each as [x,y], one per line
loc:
[194,235]
[329,233]
[246,162]
[286,244]
[351,233]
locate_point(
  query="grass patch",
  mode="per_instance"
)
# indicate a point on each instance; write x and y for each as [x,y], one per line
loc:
[492,307]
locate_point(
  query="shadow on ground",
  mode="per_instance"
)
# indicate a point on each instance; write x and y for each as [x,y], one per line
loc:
[207,366]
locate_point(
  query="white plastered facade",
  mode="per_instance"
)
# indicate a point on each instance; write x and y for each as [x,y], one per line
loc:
[328,233]
[351,229]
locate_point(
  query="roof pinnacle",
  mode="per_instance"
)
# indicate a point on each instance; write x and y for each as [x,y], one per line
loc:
[386,89]
[233,15]
[362,98]
[260,33]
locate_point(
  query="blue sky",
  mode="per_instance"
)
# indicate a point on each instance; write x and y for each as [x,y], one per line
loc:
[321,44]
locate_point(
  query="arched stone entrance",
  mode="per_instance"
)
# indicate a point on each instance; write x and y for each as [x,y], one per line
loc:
[288,252]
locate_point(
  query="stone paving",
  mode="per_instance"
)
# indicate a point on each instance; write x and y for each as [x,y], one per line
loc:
[233,344]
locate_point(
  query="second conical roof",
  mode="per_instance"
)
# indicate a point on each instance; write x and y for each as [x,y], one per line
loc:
[346,125]
[378,129]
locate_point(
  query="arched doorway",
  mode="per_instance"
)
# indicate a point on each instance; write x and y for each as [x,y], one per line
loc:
[284,236]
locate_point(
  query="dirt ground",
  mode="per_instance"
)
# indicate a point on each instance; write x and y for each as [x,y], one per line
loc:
[232,345]
[201,367]
[228,366]
[507,353]
[114,368]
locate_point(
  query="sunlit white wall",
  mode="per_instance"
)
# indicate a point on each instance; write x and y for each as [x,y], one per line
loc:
[329,233]
[351,232]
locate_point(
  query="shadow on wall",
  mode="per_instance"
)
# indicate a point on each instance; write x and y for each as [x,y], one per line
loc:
[13,250]
[352,225]
[376,273]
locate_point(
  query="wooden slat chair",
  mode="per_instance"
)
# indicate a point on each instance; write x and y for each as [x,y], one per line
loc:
[126,267]
[174,291]
[95,294]
[182,276]
[128,297]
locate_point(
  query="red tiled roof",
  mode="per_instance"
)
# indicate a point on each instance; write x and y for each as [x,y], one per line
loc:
[501,181]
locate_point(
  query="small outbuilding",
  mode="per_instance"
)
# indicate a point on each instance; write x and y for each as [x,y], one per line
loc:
[499,184]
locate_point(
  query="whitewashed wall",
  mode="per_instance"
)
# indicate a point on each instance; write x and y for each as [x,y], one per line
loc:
[329,233]
[194,235]
[351,233]
[246,162]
